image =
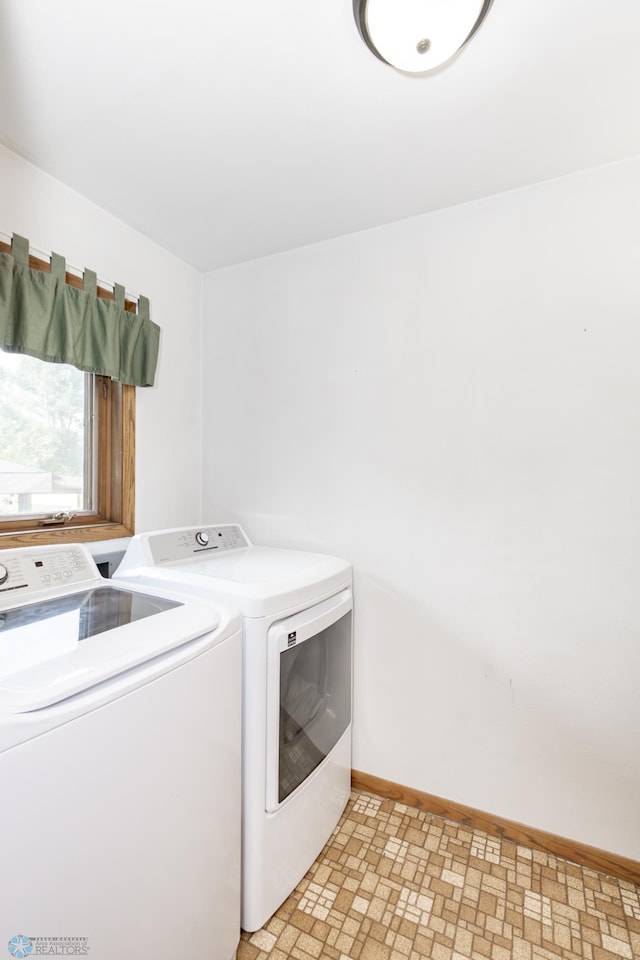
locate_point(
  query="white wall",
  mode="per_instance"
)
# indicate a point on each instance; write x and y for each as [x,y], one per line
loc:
[168,416]
[453,402]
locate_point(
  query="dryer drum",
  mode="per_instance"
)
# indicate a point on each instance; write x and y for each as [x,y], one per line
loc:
[304,694]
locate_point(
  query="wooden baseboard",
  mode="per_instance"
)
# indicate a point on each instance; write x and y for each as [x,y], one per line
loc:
[580,853]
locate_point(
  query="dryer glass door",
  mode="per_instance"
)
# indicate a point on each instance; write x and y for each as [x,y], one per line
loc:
[309,701]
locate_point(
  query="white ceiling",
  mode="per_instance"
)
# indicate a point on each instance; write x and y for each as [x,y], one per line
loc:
[229,131]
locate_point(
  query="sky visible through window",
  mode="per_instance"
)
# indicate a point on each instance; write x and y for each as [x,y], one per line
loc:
[42,428]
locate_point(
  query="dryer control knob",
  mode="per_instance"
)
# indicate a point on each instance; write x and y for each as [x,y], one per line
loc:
[4,573]
[202,538]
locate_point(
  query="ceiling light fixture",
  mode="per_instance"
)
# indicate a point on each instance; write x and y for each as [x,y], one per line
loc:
[416,36]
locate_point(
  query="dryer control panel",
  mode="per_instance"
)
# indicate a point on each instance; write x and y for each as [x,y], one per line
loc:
[32,569]
[174,545]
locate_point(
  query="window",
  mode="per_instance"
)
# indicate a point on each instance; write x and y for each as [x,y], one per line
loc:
[46,462]
[66,449]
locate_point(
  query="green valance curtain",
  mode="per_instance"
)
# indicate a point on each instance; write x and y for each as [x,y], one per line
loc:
[44,317]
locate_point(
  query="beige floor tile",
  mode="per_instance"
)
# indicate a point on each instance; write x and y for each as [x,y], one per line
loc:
[396,883]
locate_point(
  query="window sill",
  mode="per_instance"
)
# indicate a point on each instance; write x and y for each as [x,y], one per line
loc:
[64,534]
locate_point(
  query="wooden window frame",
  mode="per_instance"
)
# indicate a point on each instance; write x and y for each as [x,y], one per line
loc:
[114,408]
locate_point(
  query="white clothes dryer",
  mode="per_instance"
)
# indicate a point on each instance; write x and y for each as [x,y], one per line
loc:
[297,690]
[120,763]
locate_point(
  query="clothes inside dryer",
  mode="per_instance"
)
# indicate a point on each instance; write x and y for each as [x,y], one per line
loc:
[315,702]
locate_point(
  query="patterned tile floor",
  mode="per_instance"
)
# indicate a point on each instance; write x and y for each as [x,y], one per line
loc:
[394,883]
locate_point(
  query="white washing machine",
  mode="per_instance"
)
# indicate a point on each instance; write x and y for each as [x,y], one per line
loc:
[297,690]
[120,764]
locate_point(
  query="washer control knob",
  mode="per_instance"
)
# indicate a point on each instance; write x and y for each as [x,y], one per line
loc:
[202,538]
[4,573]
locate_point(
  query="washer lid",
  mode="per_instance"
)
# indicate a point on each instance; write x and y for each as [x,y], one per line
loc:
[65,642]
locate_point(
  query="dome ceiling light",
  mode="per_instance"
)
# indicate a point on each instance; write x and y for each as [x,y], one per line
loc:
[416,36]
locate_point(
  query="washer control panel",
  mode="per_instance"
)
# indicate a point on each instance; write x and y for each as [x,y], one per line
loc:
[174,545]
[34,569]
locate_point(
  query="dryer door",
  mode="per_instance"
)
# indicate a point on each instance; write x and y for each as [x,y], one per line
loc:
[309,692]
